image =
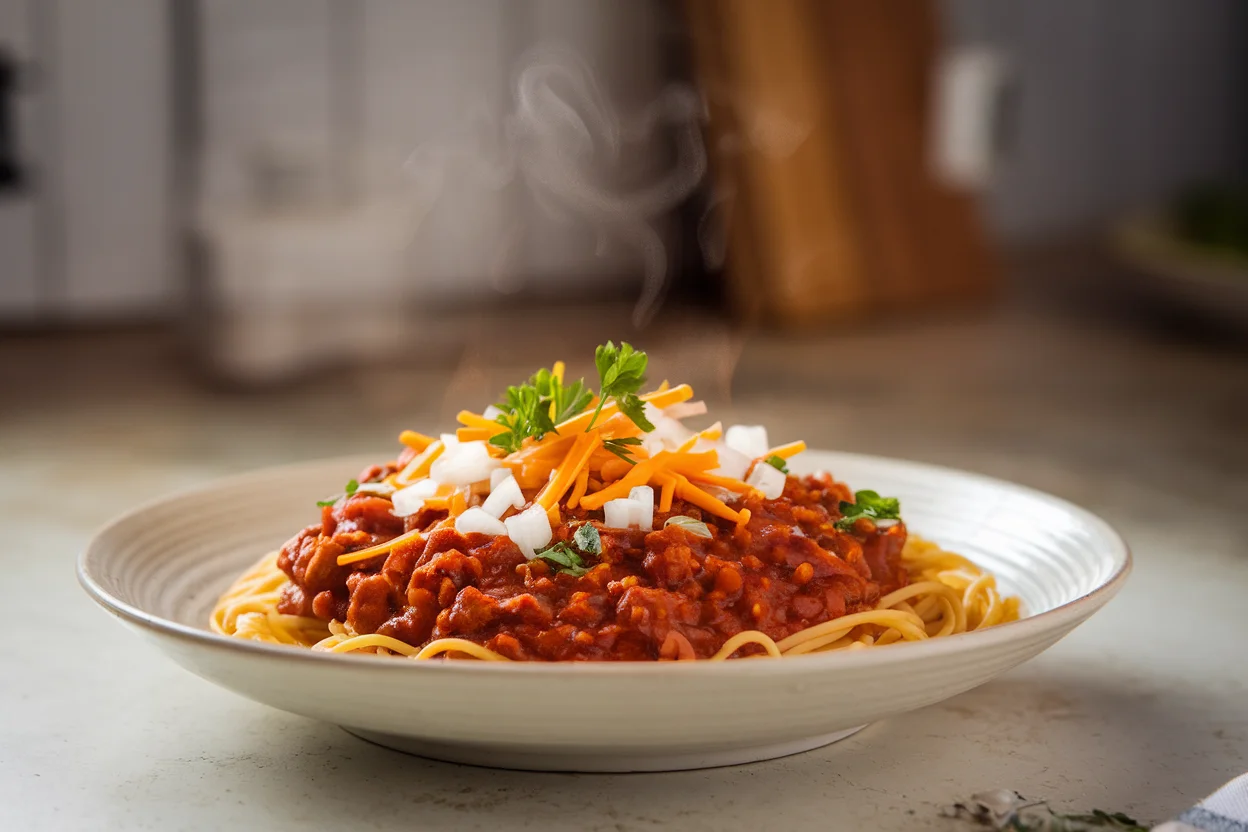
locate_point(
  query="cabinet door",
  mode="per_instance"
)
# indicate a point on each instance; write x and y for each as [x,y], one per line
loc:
[19,290]
[110,83]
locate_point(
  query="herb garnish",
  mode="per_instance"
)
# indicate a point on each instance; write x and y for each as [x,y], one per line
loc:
[352,487]
[588,540]
[868,504]
[565,558]
[535,407]
[619,447]
[1008,811]
[566,400]
[778,463]
[622,371]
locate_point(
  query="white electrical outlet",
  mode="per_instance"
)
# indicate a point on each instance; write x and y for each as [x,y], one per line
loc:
[970,98]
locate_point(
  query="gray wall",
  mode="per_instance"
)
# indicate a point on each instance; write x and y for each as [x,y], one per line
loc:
[1120,102]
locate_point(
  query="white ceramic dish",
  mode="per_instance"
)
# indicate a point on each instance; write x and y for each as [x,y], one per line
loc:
[161,567]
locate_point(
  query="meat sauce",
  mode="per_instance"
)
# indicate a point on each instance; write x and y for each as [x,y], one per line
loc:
[663,594]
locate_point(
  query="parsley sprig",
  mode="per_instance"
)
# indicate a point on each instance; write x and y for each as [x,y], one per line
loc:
[352,487]
[868,504]
[535,407]
[567,559]
[620,446]
[622,371]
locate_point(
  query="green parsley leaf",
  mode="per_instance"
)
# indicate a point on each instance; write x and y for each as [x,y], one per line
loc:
[352,487]
[871,505]
[778,463]
[535,407]
[565,558]
[634,408]
[568,399]
[588,540]
[619,447]
[621,372]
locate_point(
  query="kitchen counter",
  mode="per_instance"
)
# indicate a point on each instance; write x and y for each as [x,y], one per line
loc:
[1144,709]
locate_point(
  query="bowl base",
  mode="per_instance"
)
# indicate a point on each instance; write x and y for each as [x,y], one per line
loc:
[605,761]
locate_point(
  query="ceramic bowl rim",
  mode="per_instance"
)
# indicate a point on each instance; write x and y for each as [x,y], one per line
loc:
[1061,618]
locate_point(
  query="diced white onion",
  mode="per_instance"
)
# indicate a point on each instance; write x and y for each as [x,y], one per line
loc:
[380,488]
[642,497]
[694,527]
[653,444]
[732,464]
[463,464]
[449,440]
[498,475]
[492,412]
[478,521]
[672,433]
[767,479]
[619,514]
[683,410]
[506,494]
[529,530]
[408,501]
[750,440]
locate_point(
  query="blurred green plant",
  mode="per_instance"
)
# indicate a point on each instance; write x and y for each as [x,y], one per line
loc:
[1213,216]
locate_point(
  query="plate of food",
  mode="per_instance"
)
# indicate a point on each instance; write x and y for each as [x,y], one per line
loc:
[603,579]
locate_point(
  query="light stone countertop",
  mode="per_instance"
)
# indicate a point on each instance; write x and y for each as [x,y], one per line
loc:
[1144,709]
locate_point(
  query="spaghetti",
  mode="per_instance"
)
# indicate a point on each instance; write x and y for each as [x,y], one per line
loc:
[573,526]
[948,595]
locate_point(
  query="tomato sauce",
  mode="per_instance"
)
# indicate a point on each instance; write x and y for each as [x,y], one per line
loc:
[663,594]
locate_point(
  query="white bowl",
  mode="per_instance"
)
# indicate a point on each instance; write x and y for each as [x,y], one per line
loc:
[161,567]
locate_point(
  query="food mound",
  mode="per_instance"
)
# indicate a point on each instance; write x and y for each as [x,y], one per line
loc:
[567,524]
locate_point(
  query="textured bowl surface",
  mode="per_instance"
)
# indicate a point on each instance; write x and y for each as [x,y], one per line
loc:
[161,567]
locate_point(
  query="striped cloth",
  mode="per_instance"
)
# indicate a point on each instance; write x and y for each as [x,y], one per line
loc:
[1226,810]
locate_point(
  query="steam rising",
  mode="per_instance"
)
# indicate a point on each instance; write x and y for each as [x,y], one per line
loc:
[567,145]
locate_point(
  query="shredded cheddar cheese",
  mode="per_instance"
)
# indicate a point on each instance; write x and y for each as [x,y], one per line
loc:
[585,461]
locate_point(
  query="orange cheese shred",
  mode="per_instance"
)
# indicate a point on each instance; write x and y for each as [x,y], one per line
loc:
[723,482]
[687,462]
[614,468]
[786,451]
[691,493]
[578,489]
[419,466]
[664,398]
[476,420]
[668,483]
[379,549]
[416,441]
[639,475]
[565,474]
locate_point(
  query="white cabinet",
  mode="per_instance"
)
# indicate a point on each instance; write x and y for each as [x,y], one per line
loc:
[89,235]
[19,288]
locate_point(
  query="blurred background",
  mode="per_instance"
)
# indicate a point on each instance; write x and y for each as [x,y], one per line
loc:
[1007,235]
